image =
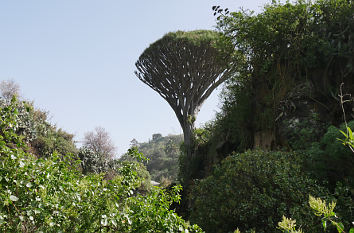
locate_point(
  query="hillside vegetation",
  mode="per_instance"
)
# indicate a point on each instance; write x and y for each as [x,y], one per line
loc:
[275,141]
[162,154]
[52,195]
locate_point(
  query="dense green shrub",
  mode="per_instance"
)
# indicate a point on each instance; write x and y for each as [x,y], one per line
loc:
[329,160]
[54,141]
[253,190]
[48,195]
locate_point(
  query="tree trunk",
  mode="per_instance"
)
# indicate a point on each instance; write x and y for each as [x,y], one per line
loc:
[188,138]
[264,139]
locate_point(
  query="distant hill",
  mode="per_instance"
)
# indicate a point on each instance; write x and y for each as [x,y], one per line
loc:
[163,153]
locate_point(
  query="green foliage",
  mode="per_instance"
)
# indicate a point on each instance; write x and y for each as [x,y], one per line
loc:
[201,135]
[42,138]
[301,132]
[235,121]
[54,141]
[330,160]
[162,154]
[26,124]
[287,84]
[47,195]
[320,208]
[230,131]
[252,191]
[195,39]
[9,124]
[327,211]
[300,34]
[92,162]
[295,63]
[349,138]
[136,164]
[97,153]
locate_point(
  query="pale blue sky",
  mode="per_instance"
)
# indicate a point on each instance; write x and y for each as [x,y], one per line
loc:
[75,59]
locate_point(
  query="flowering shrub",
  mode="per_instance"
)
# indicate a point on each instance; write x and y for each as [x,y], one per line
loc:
[51,195]
[26,125]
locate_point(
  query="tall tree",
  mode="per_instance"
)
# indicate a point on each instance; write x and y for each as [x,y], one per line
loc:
[184,68]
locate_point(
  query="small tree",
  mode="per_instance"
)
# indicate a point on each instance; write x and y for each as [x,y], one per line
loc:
[8,89]
[100,142]
[184,68]
[97,151]
[134,143]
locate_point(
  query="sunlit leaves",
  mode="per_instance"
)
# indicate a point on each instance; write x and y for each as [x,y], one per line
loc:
[50,195]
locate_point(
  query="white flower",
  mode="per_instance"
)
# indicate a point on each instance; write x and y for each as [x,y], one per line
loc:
[13,198]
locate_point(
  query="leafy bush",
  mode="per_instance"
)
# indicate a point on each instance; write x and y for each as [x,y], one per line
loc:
[26,124]
[253,190]
[330,160]
[48,195]
[92,162]
[54,141]
[42,137]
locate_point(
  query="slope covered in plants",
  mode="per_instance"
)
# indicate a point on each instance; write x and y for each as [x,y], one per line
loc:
[51,194]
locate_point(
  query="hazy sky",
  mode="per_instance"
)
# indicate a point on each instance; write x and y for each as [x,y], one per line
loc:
[75,59]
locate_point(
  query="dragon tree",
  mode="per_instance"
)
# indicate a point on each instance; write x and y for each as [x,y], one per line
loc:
[184,68]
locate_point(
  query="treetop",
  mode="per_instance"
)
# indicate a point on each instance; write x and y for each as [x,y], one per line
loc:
[195,38]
